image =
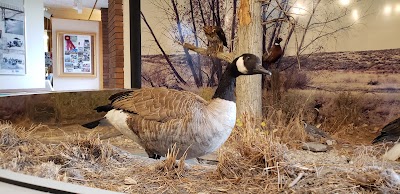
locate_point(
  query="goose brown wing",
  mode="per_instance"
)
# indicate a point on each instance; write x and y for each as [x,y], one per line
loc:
[159,104]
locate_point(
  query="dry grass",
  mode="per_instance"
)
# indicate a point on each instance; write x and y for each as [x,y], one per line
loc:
[255,159]
[354,81]
[294,78]
[353,116]
[262,161]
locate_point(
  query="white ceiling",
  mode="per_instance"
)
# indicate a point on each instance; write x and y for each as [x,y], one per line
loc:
[70,3]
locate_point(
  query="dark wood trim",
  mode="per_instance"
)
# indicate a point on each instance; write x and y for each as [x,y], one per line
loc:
[135,44]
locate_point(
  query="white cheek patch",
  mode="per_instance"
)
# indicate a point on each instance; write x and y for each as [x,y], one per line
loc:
[240,66]
[276,43]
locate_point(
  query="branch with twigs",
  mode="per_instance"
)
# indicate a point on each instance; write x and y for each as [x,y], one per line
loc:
[274,21]
[229,57]
[297,179]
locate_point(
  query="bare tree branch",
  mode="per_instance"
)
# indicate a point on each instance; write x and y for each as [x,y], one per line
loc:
[274,21]
[201,12]
[229,57]
[162,51]
[196,40]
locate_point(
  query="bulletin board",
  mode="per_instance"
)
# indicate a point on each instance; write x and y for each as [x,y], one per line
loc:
[76,53]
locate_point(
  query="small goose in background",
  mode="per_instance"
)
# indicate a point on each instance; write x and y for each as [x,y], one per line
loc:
[157,118]
[391,133]
[314,131]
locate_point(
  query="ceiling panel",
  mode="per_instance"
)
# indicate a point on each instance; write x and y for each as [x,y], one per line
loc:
[70,3]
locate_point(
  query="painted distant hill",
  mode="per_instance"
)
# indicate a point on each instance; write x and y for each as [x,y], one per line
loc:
[157,71]
[382,61]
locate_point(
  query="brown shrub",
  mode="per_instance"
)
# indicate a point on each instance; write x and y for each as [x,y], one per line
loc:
[295,79]
[348,111]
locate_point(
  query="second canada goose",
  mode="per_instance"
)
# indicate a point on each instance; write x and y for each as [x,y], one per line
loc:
[390,132]
[157,118]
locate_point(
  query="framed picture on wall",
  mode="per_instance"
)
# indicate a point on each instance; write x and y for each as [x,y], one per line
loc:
[76,54]
[12,39]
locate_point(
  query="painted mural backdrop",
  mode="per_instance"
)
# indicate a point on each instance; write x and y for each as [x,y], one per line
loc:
[340,68]
[12,40]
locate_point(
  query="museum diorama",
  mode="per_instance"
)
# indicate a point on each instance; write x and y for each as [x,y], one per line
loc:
[191,96]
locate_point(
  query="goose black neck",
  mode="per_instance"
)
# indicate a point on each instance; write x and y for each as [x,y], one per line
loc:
[226,85]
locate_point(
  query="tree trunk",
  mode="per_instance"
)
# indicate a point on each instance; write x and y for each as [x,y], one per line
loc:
[201,12]
[248,90]
[196,42]
[216,69]
[233,27]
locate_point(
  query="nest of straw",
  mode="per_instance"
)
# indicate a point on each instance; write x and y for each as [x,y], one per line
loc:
[253,160]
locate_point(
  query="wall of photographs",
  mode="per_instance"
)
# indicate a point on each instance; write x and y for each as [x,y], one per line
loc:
[12,39]
[77,50]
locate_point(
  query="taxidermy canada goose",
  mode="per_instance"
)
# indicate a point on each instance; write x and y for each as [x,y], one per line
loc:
[273,54]
[157,118]
[390,132]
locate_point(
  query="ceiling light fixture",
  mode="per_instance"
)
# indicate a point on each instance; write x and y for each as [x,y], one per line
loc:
[387,10]
[78,6]
[344,2]
[355,15]
[397,8]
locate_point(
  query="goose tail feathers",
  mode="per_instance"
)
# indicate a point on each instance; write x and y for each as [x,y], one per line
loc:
[380,138]
[104,108]
[94,124]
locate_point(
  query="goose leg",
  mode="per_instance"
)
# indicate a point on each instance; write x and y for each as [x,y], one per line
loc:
[151,154]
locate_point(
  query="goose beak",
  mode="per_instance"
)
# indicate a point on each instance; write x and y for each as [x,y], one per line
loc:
[261,70]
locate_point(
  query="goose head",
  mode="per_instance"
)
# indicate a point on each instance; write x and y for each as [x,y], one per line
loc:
[249,64]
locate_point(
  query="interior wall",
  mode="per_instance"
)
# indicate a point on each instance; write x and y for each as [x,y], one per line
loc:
[34,48]
[69,13]
[75,83]
[127,41]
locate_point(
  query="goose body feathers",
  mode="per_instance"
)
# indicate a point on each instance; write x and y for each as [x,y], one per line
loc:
[157,118]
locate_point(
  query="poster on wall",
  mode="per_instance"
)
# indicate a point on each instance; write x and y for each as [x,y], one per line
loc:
[12,40]
[77,54]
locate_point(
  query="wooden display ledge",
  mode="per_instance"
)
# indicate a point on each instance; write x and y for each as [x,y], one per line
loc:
[16,183]
[34,91]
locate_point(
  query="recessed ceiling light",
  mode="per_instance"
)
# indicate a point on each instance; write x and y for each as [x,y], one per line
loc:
[387,9]
[354,14]
[344,2]
[397,8]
